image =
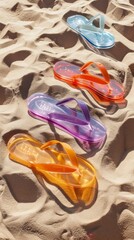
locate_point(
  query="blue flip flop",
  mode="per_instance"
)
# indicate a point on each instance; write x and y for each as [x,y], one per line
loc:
[95,35]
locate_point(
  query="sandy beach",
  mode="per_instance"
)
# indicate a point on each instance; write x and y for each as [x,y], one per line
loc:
[34,35]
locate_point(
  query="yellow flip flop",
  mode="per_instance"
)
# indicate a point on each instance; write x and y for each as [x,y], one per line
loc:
[63,168]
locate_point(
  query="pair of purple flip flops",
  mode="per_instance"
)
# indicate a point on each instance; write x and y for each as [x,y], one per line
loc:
[89,132]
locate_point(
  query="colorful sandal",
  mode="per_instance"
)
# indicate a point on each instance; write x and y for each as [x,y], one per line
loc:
[104,90]
[95,35]
[87,130]
[72,174]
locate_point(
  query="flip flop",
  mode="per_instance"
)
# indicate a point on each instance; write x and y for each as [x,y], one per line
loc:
[104,90]
[80,124]
[75,176]
[95,35]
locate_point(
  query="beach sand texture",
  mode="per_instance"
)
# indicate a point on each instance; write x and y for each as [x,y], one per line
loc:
[33,37]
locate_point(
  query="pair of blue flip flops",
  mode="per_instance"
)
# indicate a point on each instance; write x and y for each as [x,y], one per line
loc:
[96,36]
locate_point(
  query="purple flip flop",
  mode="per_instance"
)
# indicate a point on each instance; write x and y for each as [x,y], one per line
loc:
[88,131]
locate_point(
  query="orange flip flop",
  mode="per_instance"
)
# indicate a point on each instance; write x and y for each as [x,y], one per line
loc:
[72,174]
[103,89]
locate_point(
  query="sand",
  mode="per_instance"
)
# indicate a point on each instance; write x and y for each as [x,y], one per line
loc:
[33,36]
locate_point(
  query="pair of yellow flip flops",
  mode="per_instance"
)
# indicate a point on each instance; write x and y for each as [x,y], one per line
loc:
[63,168]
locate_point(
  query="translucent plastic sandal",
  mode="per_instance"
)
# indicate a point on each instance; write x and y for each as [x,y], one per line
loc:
[75,176]
[103,89]
[97,36]
[89,132]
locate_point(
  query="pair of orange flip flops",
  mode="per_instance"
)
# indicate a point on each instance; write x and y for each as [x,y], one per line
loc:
[75,176]
[104,90]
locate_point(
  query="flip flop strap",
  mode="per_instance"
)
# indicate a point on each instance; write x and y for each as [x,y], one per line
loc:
[88,76]
[69,151]
[53,167]
[73,119]
[69,119]
[100,66]
[83,107]
[91,27]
